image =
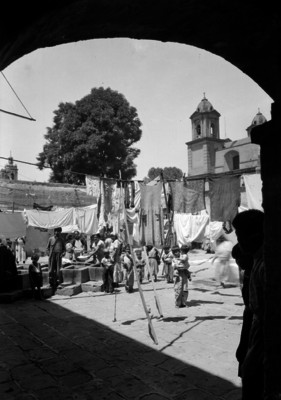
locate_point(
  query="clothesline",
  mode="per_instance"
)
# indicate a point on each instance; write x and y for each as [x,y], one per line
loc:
[202,176]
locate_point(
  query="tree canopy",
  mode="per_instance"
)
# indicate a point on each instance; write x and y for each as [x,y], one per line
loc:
[169,173]
[94,136]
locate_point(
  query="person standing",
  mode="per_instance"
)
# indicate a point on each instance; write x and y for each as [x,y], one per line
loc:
[222,260]
[107,263]
[180,266]
[117,246]
[79,244]
[154,261]
[55,250]
[97,252]
[245,263]
[127,264]
[167,257]
[140,264]
[249,226]
[184,258]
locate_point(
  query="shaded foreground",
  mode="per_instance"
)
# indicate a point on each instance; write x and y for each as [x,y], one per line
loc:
[71,348]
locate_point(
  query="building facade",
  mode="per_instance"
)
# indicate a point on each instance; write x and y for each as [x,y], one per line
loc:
[209,154]
[10,171]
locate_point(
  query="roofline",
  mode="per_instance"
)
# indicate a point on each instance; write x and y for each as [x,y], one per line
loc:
[208,139]
[205,112]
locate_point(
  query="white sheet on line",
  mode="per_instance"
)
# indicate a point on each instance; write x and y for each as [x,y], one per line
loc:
[253,186]
[189,227]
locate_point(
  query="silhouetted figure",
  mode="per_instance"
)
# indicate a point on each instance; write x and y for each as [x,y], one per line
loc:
[9,279]
[249,231]
[245,264]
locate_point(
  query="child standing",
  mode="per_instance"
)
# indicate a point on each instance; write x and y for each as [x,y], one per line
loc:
[154,261]
[167,257]
[184,257]
[127,264]
[35,276]
[107,263]
[181,266]
[140,264]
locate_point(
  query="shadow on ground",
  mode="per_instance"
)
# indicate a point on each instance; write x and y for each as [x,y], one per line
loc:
[48,352]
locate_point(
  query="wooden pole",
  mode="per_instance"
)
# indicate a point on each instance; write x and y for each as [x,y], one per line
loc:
[170,220]
[150,326]
[158,305]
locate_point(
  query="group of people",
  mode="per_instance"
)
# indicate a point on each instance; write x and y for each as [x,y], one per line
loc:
[114,256]
[116,259]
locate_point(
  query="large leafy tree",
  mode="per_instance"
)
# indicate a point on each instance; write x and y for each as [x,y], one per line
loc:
[169,173]
[94,136]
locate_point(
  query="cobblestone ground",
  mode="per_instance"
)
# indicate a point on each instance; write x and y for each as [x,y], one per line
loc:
[78,348]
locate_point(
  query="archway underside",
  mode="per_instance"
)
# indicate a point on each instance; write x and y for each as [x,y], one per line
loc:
[244,33]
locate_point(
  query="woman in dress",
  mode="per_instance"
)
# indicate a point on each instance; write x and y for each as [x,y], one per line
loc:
[181,274]
[128,266]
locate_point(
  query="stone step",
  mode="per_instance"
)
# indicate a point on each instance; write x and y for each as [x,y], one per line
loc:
[91,286]
[69,290]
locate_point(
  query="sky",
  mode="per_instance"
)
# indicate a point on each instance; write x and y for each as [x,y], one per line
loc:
[165,82]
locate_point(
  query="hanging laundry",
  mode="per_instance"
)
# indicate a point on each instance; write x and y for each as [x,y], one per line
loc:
[109,189]
[87,220]
[117,216]
[253,186]
[133,225]
[199,186]
[154,181]
[106,202]
[36,238]
[50,219]
[187,197]
[93,186]
[151,215]
[166,197]
[190,228]
[224,195]
[12,225]
[150,196]
[129,189]
[137,196]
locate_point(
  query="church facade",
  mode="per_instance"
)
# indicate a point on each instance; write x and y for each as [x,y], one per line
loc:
[209,154]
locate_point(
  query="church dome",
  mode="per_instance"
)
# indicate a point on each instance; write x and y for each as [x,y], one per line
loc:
[259,119]
[204,105]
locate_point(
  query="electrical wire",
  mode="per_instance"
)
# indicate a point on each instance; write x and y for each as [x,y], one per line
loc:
[8,112]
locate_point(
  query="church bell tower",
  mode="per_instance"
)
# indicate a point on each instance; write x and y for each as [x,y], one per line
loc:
[201,150]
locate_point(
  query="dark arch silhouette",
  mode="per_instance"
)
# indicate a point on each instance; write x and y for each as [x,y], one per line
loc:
[244,33]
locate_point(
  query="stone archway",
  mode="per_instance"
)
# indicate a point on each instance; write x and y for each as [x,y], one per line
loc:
[245,33]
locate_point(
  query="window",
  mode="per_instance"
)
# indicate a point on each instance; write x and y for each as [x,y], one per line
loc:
[232,161]
[235,160]
[212,130]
